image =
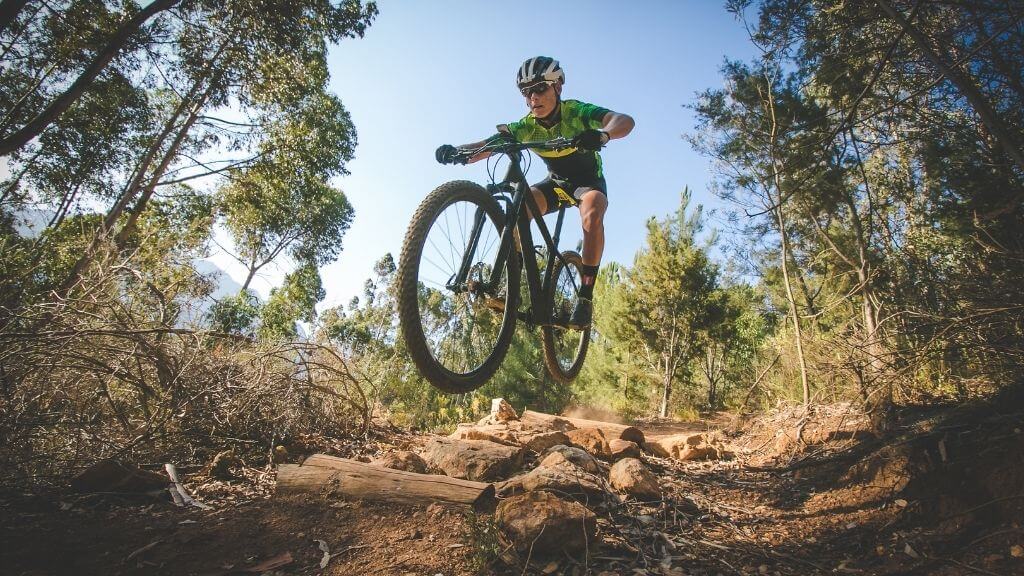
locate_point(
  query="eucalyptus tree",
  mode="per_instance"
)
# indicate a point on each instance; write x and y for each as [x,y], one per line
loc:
[668,299]
[128,25]
[284,202]
[266,61]
[900,125]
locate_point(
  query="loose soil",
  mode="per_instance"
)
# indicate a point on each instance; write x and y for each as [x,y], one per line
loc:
[810,492]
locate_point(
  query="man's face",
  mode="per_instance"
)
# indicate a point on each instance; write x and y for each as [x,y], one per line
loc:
[541,98]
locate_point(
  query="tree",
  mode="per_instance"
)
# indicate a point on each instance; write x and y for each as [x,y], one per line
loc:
[284,202]
[668,298]
[48,115]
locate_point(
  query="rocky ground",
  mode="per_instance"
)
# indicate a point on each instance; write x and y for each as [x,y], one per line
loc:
[796,492]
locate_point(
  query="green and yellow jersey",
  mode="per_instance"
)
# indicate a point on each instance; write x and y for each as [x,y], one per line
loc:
[572,164]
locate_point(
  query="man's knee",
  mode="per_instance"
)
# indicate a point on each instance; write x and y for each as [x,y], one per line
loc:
[593,205]
[541,200]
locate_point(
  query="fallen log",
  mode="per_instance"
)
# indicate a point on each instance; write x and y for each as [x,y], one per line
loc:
[366,481]
[610,430]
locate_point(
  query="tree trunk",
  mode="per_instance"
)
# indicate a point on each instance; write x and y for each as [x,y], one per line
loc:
[881,401]
[963,83]
[368,482]
[666,391]
[49,114]
[794,316]
[188,103]
[780,218]
[172,152]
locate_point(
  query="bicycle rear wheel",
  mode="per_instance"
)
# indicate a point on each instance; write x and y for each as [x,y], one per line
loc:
[564,348]
[457,335]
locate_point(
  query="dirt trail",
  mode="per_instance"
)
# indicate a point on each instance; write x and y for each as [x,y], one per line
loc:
[808,495]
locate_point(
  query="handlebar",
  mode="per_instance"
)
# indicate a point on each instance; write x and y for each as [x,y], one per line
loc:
[507,146]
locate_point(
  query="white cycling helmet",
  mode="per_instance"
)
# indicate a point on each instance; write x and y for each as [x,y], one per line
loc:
[539,69]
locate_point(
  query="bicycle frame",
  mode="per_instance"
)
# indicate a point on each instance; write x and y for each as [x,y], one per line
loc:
[517,219]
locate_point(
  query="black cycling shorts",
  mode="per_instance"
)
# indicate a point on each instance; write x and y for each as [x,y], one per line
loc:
[559,192]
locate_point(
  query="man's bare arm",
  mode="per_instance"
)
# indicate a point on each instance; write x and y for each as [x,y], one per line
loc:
[617,125]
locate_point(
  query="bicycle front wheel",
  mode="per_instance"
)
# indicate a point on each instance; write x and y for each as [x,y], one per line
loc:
[456,326]
[564,348]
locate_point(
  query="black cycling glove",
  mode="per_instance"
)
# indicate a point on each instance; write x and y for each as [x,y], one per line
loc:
[590,139]
[446,154]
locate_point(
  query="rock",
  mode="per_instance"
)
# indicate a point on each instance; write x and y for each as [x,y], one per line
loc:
[497,433]
[592,440]
[402,460]
[479,460]
[630,476]
[546,523]
[624,449]
[541,441]
[561,476]
[577,456]
[705,452]
[502,411]
[113,476]
[634,435]
[654,448]
[221,465]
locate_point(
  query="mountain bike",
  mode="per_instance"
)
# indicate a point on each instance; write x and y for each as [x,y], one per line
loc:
[459,278]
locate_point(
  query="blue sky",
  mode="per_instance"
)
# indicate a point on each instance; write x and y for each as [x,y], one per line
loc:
[443,71]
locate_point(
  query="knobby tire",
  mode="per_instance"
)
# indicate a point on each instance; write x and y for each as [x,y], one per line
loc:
[551,334]
[408,281]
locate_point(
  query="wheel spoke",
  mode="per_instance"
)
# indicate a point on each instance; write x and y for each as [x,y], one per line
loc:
[464,332]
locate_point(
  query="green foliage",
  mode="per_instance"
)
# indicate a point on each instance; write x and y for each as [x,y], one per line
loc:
[482,537]
[294,301]
[669,300]
[235,314]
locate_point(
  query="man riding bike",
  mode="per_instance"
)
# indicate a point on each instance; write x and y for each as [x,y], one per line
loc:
[575,176]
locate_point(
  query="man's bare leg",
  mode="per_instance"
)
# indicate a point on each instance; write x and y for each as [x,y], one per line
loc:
[593,204]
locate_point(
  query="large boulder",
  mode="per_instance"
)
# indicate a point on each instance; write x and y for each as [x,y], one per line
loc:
[592,440]
[624,449]
[541,440]
[546,421]
[479,460]
[630,476]
[559,474]
[402,460]
[546,524]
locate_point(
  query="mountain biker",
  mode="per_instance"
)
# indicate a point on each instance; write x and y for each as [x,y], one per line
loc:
[575,176]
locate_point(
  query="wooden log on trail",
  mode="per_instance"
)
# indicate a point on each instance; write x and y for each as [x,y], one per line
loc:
[366,481]
[611,431]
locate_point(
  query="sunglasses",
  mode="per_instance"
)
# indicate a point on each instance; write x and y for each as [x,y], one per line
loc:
[538,89]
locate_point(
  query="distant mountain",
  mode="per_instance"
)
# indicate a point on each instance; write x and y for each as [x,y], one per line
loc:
[224,285]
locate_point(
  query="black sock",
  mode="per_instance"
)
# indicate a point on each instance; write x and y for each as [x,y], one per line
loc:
[588,277]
